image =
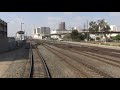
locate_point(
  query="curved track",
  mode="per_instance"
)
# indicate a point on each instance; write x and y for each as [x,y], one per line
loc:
[36,66]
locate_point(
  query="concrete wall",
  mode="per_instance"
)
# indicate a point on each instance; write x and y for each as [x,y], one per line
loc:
[7,44]
[3,44]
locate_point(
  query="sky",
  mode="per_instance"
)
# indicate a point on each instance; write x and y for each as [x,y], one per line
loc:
[33,20]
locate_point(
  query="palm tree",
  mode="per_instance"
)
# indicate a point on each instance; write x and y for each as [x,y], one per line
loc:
[103,27]
[93,27]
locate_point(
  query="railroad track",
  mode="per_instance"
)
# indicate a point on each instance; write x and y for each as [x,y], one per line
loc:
[94,56]
[63,59]
[36,66]
[94,49]
[100,58]
[101,73]
[40,68]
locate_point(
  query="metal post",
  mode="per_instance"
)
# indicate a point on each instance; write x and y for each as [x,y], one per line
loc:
[21,30]
[87,29]
[84,31]
[21,26]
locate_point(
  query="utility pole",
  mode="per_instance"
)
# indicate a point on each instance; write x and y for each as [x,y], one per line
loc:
[24,35]
[84,31]
[84,26]
[21,26]
[21,30]
[87,31]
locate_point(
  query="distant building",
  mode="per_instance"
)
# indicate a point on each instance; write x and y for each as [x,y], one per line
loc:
[20,35]
[45,30]
[3,29]
[113,28]
[40,32]
[56,34]
[62,26]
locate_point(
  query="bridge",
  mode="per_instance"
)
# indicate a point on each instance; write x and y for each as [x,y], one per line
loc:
[70,31]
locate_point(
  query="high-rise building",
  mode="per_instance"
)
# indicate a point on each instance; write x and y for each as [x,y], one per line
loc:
[62,26]
[3,29]
[40,32]
[45,30]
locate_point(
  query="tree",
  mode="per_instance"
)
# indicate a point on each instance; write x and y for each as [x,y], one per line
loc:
[103,27]
[82,36]
[117,37]
[93,27]
[78,36]
[74,34]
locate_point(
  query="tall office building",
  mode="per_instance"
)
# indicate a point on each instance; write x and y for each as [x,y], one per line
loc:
[40,32]
[45,30]
[3,29]
[62,26]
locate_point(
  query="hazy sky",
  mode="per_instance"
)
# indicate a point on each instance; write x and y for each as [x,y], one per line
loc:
[33,20]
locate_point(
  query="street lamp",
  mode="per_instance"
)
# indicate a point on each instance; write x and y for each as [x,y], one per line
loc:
[21,30]
[21,26]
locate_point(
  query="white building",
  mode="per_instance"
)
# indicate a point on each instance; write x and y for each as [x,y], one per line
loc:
[54,36]
[20,35]
[40,32]
[113,28]
[60,34]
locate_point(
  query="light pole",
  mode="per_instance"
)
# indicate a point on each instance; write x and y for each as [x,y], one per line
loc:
[87,32]
[21,26]
[21,30]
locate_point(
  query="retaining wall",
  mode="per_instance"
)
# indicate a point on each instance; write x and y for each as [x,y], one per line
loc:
[7,44]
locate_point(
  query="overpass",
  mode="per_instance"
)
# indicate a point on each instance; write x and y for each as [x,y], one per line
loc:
[70,31]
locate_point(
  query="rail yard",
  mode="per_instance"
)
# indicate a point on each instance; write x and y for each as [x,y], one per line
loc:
[57,59]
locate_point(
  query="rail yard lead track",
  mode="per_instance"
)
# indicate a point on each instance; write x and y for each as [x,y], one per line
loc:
[39,66]
[36,66]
